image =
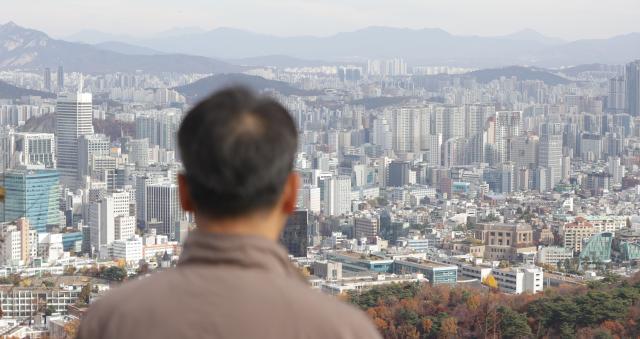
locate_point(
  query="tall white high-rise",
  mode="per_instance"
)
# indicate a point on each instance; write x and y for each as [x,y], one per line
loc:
[337,195]
[73,120]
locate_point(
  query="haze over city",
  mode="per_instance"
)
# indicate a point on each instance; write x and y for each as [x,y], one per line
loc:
[319,169]
[569,20]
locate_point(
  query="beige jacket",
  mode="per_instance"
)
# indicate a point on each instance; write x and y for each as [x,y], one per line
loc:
[224,287]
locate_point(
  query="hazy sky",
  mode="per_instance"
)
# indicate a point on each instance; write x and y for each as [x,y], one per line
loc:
[569,19]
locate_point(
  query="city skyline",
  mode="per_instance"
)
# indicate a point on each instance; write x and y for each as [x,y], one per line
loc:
[463,181]
[569,20]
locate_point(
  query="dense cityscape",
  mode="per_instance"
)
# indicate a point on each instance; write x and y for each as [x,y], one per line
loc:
[482,187]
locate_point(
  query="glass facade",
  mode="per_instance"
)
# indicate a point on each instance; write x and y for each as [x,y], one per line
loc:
[70,239]
[33,194]
[597,248]
[630,251]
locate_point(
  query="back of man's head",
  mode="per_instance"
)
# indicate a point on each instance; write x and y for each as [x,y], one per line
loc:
[238,151]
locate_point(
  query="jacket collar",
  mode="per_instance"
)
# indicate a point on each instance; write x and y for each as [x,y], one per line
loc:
[250,252]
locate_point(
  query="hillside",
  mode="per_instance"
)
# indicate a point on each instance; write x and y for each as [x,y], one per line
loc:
[47,124]
[203,87]
[8,91]
[522,73]
[606,309]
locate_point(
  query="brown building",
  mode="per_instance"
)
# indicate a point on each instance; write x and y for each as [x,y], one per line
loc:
[502,234]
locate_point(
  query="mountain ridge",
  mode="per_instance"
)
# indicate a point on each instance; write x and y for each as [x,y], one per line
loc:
[429,46]
[31,49]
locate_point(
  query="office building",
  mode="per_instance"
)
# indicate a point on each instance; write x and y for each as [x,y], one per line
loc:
[34,195]
[366,226]
[73,120]
[36,149]
[163,208]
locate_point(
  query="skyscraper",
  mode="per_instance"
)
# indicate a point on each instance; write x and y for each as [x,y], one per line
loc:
[47,79]
[632,81]
[73,120]
[32,194]
[60,78]
[616,100]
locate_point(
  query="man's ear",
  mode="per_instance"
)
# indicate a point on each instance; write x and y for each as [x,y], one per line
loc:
[185,197]
[290,193]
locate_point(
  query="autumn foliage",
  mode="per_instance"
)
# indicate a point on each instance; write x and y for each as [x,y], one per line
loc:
[600,310]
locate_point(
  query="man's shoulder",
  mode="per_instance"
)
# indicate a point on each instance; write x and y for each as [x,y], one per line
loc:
[326,309]
[141,291]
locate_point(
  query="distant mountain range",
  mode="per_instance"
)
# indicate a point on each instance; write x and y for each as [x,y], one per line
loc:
[197,90]
[30,49]
[8,91]
[125,48]
[429,46]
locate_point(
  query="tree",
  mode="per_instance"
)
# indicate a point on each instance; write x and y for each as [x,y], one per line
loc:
[449,328]
[85,294]
[491,282]
[567,331]
[474,302]
[513,324]
[71,328]
[49,310]
[409,332]
[114,273]
[427,325]
[69,270]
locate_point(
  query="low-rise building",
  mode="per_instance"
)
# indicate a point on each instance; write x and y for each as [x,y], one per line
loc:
[517,280]
[437,273]
[551,255]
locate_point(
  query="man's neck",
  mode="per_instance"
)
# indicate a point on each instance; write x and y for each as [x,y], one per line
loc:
[257,224]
